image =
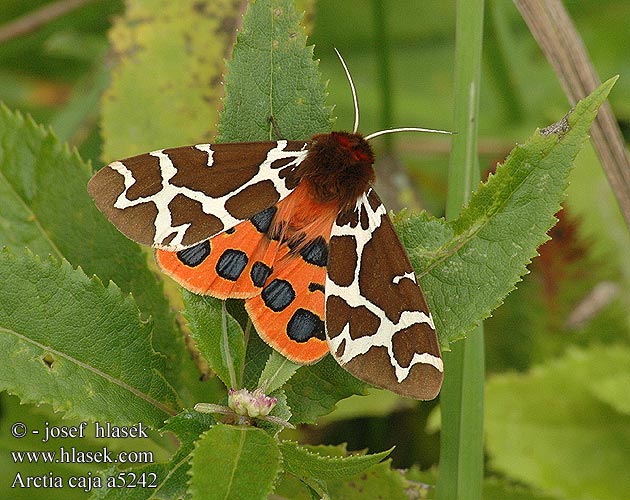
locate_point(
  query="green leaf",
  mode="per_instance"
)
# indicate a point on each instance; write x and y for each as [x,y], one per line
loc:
[45,207]
[258,352]
[315,390]
[182,46]
[69,341]
[377,481]
[249,458]
[277,371]
[613,388]
[554,428]
[591,201]
[493,488]
[378,403]
[468,266]
[380,481]
[304,461]
[272,73]
[499,489]
[224,351]
[172,476]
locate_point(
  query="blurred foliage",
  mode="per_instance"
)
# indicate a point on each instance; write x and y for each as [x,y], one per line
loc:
[59,72]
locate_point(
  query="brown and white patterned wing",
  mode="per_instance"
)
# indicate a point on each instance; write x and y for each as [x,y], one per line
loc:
[175,198]
[378,324]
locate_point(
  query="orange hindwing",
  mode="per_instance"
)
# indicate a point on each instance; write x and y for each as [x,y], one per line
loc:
[277,262]
[289,313]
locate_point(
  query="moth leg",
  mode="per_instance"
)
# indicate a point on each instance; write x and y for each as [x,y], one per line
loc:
[274,127]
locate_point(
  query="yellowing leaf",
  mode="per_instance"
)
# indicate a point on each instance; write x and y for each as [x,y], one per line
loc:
[166,86]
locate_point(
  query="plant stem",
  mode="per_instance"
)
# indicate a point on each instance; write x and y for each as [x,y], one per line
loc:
[38,18]
[234,383]
[461,404]
[461,400]
[383,67]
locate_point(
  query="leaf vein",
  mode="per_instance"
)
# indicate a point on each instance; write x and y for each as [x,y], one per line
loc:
[33,217]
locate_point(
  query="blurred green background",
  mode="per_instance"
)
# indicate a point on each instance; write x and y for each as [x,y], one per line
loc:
[546,346]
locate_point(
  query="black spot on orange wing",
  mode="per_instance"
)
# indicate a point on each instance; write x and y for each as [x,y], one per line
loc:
[231,264]
[278,294]
[262,220]
[316,287]
[305,325]
[259,273]
[316,252]
[194,256]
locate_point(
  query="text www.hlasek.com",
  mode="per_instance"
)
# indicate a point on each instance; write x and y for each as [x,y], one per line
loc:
[72,455]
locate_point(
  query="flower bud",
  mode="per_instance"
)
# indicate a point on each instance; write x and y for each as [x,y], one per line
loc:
[251,404]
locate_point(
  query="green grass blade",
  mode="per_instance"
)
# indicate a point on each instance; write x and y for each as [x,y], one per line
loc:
[461,402]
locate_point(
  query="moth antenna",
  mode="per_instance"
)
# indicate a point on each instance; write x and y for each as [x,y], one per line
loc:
[406,129]
[355,100]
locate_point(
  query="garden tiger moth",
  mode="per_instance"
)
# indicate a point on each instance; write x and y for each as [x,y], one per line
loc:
[296,230]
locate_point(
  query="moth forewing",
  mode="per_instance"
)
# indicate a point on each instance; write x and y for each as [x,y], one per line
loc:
[176,198]
[378,324]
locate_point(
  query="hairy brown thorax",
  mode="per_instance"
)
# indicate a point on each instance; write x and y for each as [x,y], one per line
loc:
[338,168]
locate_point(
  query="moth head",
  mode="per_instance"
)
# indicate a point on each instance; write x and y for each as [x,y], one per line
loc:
[342,150]
[353,147]
[338,167]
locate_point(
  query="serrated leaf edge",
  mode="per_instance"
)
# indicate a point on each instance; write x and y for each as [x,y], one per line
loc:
[331,461]
[466,236]
[112,287]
